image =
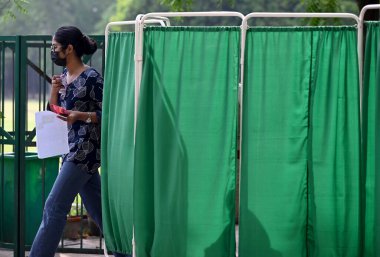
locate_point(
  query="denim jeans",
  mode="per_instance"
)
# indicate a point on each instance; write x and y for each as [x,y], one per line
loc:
[70,181]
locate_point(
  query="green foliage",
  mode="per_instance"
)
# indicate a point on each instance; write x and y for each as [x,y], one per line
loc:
[332,6]
[45,16]
[9,8]
[128,9]
[178,5]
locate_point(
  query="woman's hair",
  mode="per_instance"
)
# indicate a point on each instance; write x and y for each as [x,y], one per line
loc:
[70,35]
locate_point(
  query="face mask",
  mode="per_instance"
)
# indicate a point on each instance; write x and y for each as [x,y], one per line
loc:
[57,60]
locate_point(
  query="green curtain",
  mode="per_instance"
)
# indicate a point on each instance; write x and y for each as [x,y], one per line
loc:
[334,145]
[118,142]
[185,152]
[371,140]
[300,153]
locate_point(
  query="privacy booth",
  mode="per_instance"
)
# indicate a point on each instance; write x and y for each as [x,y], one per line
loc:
[290,112]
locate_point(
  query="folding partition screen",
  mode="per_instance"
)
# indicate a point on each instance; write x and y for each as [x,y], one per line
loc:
[301,144]
[185,152]
[307,189]
[371,140]
[118,142]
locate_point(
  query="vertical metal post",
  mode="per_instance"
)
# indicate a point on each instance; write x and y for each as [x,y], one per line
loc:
[2,109]
[20,110]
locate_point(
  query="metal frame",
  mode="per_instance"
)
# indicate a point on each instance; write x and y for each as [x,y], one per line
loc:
[162,22]
[361,46]
[139,36]
[243,40]
[20,138]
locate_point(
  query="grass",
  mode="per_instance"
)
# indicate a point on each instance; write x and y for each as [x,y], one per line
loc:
[8,119]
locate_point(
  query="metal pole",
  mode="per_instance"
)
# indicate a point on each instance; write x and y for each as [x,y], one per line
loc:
[20,106]
[304,15]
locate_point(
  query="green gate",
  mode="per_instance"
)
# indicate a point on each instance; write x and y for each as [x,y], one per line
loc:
[25,180]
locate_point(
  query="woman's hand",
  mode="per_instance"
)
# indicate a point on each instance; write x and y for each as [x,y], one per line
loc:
[56,84]
[72,117]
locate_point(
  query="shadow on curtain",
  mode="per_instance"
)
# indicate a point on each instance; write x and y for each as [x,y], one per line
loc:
[186,143]
[371,141]
[301,142]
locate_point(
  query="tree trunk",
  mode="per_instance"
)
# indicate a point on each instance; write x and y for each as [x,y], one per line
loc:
[370,15]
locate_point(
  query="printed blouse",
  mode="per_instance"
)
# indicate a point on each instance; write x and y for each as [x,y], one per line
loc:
[84,94]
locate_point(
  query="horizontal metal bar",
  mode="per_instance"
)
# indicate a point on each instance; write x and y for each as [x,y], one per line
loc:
[7,142]
[8,38]
[192,14]
[301,15]
[118,23]
[37,37]
[126,23]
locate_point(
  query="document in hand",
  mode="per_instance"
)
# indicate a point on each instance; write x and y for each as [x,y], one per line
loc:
[52,135]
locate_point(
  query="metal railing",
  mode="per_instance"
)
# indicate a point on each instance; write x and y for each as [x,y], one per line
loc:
[25,181]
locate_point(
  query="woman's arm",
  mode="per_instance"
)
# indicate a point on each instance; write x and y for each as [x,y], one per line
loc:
[73,116]
[56,85]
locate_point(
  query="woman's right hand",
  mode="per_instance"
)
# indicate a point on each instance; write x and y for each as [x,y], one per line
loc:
[56,84]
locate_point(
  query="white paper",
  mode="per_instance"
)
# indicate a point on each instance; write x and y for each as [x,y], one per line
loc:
[52,135]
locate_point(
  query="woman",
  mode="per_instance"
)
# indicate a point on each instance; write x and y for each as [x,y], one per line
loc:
[79,90]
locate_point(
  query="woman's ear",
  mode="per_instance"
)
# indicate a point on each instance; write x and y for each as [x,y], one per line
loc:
[69,49]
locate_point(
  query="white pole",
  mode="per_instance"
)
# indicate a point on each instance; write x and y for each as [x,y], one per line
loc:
[361,47]
[243,27]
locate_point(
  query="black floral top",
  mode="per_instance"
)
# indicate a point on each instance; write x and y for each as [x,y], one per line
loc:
[84,94]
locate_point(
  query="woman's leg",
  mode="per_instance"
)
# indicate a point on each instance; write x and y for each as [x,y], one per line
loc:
[91,197]
[69,182]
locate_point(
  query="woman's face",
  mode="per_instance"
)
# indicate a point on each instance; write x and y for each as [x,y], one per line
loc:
[58,55]
[55,46]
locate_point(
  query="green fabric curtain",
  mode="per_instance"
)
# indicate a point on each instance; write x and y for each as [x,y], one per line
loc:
[185,156]
[118,142]
[301,144]
[371,140]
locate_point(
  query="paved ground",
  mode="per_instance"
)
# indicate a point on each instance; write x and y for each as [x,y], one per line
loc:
[90,242]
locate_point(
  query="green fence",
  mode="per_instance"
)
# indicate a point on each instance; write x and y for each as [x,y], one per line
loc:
[25,180]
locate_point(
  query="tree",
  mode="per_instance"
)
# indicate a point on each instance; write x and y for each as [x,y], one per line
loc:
[45,16]
[8,7]
[127,9]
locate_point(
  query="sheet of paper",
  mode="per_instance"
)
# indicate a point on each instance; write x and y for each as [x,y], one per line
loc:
[52,135]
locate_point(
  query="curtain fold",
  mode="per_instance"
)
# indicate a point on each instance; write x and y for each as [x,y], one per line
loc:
[371,140]
[117,149]
[301,143]
[273,208]
[334,145]
[185,159]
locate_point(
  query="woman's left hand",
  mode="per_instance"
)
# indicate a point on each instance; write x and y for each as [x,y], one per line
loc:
[71,118]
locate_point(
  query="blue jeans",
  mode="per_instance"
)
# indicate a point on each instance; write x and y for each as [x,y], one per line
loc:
[70,181]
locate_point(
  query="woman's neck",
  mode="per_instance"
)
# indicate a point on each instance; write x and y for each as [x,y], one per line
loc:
[75,67]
